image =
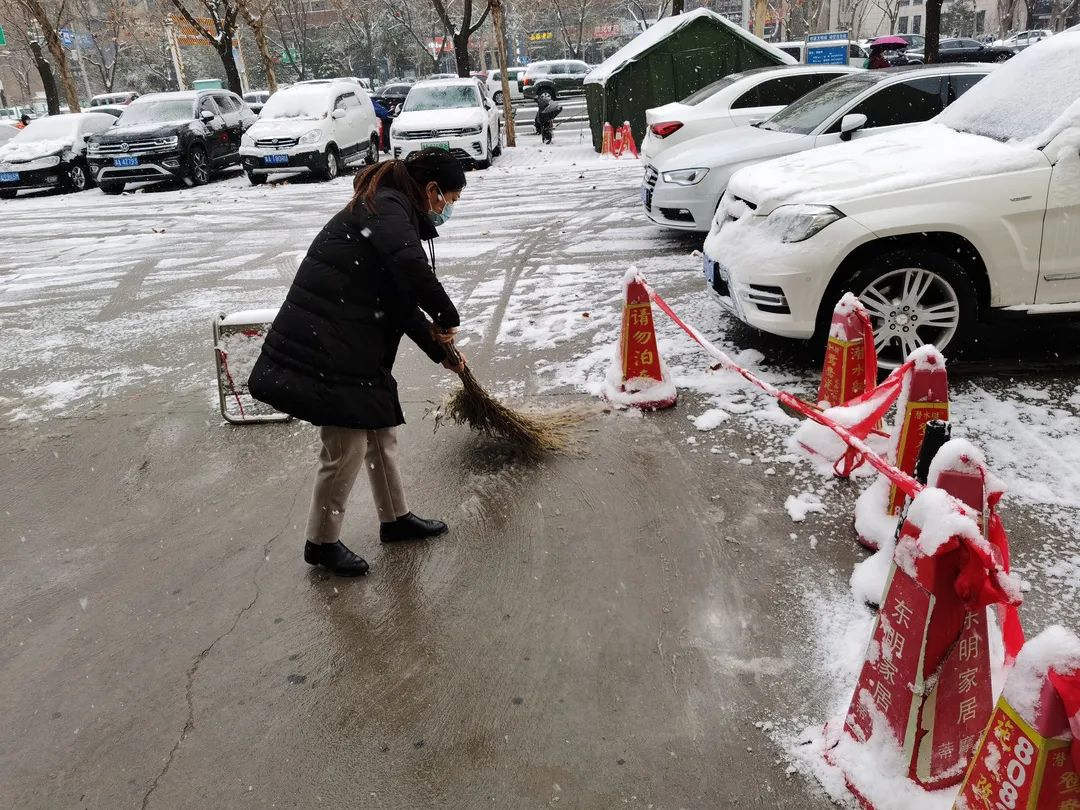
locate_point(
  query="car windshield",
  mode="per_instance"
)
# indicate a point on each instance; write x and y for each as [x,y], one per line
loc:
[396,90]
[308,104]
[158,111]
[51,128]
[1030,98]
[809,112]
[710,90]
[441,98]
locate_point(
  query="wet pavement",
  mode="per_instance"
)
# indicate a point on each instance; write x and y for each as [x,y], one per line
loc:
[620,627]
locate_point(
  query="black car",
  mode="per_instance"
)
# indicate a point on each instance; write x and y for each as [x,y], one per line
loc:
[50,153]
[392,96]
[187,135]
[963,50]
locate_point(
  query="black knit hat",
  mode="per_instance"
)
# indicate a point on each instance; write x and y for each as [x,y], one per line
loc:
[438,165]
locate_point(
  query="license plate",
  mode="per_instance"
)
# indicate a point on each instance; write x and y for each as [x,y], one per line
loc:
[646,197]
[436,145]
[9,177]
[709,266]
[275,160]
[126,161]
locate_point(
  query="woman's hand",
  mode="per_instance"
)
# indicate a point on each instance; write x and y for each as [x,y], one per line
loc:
[443,335]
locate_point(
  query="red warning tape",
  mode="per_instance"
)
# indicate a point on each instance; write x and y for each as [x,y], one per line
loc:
[974,585]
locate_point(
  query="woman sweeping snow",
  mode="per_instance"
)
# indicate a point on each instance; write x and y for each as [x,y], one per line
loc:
[329,356]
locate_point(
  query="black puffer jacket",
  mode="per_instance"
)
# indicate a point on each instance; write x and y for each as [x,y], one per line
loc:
[329,355]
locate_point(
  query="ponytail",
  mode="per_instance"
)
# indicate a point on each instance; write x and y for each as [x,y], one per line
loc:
[388,174]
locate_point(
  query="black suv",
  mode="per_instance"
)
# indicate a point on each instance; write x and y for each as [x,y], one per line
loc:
[552,79]
[187,135]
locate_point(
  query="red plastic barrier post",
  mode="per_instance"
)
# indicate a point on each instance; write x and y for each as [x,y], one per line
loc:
[926,676]
[609,136]
[645,383]
[850,367]
[628,139]
[1029,754]
[617,142]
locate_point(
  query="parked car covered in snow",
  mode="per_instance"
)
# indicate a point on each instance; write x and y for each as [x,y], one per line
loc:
[50,153]
[451,114]
[318,128]
[112,99]
[934,227]
[186,135]
[733,101]
[682,188]
[255,100]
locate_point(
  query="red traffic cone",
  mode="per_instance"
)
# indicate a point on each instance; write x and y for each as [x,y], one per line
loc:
[850,358]
[617,142]
[628,139]
[925,397]
[639,378]
[606,142]
[1029,755]
[925,682]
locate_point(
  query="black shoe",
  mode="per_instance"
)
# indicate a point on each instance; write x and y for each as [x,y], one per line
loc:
[411,527]
[336,557]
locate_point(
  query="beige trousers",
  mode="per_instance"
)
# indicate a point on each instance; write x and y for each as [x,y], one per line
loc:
[344,450]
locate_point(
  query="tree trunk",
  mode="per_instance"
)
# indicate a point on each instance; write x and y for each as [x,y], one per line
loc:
[228,61]
[676,7]
[258,28]
[48,81]
[933,31]
[461,53]
[56,51]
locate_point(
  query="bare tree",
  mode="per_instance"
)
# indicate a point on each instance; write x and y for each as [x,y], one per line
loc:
[1006,10]
[50,18]
[222,14]
[110,24]
[461,32]
[292,19]
[419,21]
[254,13]
[1059,13]
[573,16]
[18,57]
[646,14]
[890,10]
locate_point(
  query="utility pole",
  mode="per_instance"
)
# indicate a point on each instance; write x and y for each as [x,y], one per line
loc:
[500,55]
[174,51]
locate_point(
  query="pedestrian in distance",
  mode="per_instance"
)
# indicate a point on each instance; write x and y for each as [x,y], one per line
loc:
[329,356]
[877,59]
[23,121]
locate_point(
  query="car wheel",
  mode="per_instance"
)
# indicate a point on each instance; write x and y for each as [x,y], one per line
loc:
[545,95]
[112,188]
[372,156]
[256,179]
[198,169]
[331,164]
[497,96]
[497,151]
[9,194]
[77,178]
[915,298]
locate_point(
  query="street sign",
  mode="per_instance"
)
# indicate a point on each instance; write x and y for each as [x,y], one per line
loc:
[67,37]
[827,49]
[3,41]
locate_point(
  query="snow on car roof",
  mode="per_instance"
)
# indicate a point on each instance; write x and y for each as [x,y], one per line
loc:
[647,40]
[469,81]
[176,94]
[1029,98]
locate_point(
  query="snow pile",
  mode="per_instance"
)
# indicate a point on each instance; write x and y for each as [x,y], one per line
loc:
[711,419]
[647,40]
[1030,98]
[923,155]
[799,506]
[22,151]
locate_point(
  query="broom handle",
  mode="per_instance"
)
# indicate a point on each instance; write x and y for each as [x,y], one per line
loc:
[452,354]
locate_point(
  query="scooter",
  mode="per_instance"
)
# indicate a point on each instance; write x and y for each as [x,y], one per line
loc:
[545,120]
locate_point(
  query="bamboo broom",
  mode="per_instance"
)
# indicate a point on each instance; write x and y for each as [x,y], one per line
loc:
[536,434]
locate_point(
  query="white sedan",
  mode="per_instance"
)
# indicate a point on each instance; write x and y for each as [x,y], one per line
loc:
[733,101]
[451,114]
[961,219]
[683,187]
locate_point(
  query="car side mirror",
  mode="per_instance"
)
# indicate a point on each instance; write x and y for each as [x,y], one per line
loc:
[850,124]
[757,121]
[338,114]
[207,115]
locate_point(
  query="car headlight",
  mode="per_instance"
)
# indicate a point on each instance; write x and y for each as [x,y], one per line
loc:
[797,223]
[311,137]
[167,142]
[685,177]
[472,130]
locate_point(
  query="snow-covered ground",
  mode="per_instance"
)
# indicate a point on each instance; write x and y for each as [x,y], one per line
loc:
[103,298]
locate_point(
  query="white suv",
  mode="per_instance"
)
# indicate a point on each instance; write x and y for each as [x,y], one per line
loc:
[451,114]
[934,227]
[317,127]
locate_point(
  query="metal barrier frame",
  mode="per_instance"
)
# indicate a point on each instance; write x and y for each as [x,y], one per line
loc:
[222,374]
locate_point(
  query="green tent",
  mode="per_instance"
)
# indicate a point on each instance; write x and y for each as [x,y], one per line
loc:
[668,62]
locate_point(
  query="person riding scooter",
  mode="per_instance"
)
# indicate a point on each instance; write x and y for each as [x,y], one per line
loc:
[546,110]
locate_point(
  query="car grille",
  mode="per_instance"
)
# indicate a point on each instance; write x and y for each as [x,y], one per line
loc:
[128,147]
[418,134]
[275,143]
[649,184]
